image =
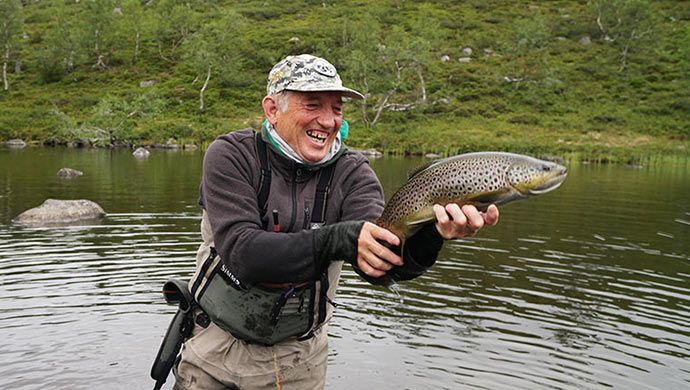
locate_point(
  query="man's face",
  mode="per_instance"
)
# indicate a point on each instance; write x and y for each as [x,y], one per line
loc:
[311,123]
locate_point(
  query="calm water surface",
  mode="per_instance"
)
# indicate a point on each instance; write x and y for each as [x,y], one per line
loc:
[587,287]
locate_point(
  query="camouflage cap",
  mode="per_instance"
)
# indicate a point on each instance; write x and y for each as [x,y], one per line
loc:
[306,73]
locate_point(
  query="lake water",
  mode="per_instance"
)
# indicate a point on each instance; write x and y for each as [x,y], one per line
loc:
[587,287]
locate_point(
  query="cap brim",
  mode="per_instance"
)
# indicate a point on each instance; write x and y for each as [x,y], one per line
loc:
[347,92]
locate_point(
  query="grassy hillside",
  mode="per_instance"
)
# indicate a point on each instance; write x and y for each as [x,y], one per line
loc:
[605,79]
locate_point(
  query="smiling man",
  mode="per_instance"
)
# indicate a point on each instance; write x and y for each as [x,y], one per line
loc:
[282,209]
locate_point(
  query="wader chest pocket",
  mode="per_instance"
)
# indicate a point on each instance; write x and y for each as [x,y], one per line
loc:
[259,314]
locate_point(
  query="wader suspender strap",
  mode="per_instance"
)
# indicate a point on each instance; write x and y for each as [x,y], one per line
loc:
[318,217]
[265,184]
[204,269]
[323,187]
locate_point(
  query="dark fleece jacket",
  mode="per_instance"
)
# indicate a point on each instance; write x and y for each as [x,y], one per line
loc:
[228,193]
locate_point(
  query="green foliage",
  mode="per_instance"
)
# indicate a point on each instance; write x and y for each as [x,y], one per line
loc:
[61,49]
[174,22]
[11,23]
[388,66]
[213,49]
[528,84]
[112,120]
[97,31]
[134,24]
[531,42]
[625,24]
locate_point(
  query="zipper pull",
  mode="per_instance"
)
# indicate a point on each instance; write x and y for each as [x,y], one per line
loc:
[306,218]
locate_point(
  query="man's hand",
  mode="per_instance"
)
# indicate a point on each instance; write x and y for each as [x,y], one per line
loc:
[453,221]
[373,258]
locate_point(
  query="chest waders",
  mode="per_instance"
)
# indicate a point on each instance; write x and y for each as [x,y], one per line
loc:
[262,314]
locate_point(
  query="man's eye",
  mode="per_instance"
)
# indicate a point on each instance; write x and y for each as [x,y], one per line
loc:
[312,105]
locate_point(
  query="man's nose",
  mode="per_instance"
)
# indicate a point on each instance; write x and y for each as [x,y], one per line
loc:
[329,120]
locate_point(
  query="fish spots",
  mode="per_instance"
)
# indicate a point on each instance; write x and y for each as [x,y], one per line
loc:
[459,179]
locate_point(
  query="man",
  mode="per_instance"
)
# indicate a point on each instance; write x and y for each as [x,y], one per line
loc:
[281,209]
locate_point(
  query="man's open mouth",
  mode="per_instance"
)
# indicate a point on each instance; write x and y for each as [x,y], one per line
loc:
[317,136]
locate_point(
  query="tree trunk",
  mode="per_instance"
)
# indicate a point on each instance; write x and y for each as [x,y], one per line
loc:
[382,105]
[422,85]
[96,49]
[6,58]
[202,107]
[365,117]
[136,46]
[4,76]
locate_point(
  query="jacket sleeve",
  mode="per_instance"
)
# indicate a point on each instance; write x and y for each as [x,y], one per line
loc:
[253,254]
[364,201]
[420,253]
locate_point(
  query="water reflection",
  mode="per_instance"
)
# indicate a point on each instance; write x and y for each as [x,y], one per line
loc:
[586,287]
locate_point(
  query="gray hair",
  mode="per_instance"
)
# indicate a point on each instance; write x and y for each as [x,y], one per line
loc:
[282,98]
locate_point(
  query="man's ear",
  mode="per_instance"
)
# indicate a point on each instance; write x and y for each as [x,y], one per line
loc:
[270,109]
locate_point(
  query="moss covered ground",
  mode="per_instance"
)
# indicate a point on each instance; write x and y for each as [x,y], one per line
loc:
[542,77]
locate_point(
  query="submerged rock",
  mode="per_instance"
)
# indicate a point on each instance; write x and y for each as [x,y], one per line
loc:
[141,153]
[170,145]
[15,143]
[68,173]
[371,153]
[54,211]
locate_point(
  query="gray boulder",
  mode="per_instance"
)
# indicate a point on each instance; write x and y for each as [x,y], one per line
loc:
[586,40]
[147,83]
[68,173]
[54,211]
[15,143]
[141,153]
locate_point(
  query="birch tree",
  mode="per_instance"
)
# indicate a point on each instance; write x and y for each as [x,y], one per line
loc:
[10,27]
[135,23]
[174,23]
[625,24]
[214,50]
[99,17]
[386,66]
[62,48]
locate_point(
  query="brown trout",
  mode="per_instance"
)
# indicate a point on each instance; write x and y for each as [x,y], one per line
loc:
[479,179]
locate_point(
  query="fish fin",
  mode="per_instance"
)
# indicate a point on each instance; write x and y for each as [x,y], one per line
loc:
[414,226]
[482,201]
[416,171]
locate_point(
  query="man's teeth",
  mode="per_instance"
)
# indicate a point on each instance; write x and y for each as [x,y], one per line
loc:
[317,136]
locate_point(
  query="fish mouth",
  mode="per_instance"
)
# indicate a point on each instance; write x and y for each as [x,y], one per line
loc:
[552,182]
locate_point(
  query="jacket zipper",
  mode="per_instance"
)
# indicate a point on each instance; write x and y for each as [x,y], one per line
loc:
[306,218]
[294,199]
